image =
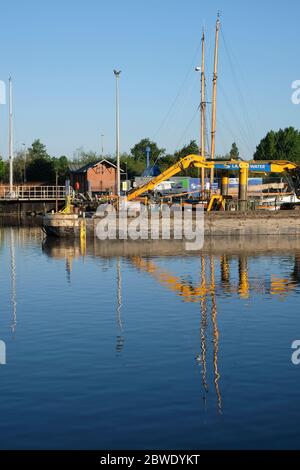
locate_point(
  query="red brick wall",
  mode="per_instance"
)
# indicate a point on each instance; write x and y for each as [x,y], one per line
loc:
[102,178]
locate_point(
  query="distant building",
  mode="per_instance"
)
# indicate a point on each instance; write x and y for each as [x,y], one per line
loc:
[95,177]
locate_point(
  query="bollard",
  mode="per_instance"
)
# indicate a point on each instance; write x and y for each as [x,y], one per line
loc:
[243,187]
[224,184]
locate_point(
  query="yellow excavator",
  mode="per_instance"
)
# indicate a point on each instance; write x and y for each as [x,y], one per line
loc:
[291,169]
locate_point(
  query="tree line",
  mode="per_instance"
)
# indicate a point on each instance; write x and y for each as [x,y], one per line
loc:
[36,165]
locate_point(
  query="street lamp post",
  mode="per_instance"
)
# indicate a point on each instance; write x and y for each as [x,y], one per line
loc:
[102,145]
[117,75]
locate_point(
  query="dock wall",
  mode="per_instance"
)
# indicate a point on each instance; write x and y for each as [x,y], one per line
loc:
[220,224]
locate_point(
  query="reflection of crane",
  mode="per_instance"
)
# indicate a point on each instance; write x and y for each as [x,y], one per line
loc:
[207,291]
[190,293]
[193,293]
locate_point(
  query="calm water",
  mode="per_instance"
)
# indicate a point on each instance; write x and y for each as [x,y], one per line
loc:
[121,352]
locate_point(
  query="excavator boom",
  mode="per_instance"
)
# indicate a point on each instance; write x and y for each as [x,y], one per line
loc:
[179,166]
[271,166]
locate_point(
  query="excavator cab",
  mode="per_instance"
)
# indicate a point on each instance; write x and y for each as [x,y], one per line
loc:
[294,180]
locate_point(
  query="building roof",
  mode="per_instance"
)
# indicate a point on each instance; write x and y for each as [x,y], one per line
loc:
[76,168]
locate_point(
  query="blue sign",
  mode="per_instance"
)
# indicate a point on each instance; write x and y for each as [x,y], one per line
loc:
[227,166]
[265,167]
[260,167]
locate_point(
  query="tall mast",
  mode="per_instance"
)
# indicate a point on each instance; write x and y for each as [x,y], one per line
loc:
[214,102]
[203,111]
[10,150]
[203,102]
[117,75]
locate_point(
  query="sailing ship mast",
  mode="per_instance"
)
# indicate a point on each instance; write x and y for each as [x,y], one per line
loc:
[10,150]
[203,110]
[214,102]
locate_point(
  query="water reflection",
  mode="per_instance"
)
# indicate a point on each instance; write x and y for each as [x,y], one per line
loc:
[13,280]
[219,274]
[120,338]
[224,270]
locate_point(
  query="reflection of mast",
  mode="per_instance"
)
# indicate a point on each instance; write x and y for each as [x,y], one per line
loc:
[243,277]
[13,280]
[120,339]
[203,326]
[215,334]
[225,273]
[69,268]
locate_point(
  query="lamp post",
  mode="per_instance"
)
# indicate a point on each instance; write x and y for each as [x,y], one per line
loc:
[117,75]
[102,145]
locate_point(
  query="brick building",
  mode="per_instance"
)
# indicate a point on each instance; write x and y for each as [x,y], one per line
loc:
[96,177]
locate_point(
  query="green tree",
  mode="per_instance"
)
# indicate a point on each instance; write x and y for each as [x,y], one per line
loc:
[41,170]
[281,145]
[19,166]
[138,152]
[81,157]
[234,152]
[3,170]
[40,166]
[131,166]
[37,150]
[61,167]
[190,149]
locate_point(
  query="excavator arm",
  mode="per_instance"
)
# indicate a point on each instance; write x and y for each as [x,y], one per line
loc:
[272,166]
[290,169]
[183,164]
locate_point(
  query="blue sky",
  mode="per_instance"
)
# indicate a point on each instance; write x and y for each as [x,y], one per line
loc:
[61,55]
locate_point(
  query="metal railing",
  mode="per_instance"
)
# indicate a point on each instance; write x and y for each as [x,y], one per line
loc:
[33,193]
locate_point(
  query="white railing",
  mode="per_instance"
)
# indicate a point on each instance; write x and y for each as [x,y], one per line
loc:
[31,193]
